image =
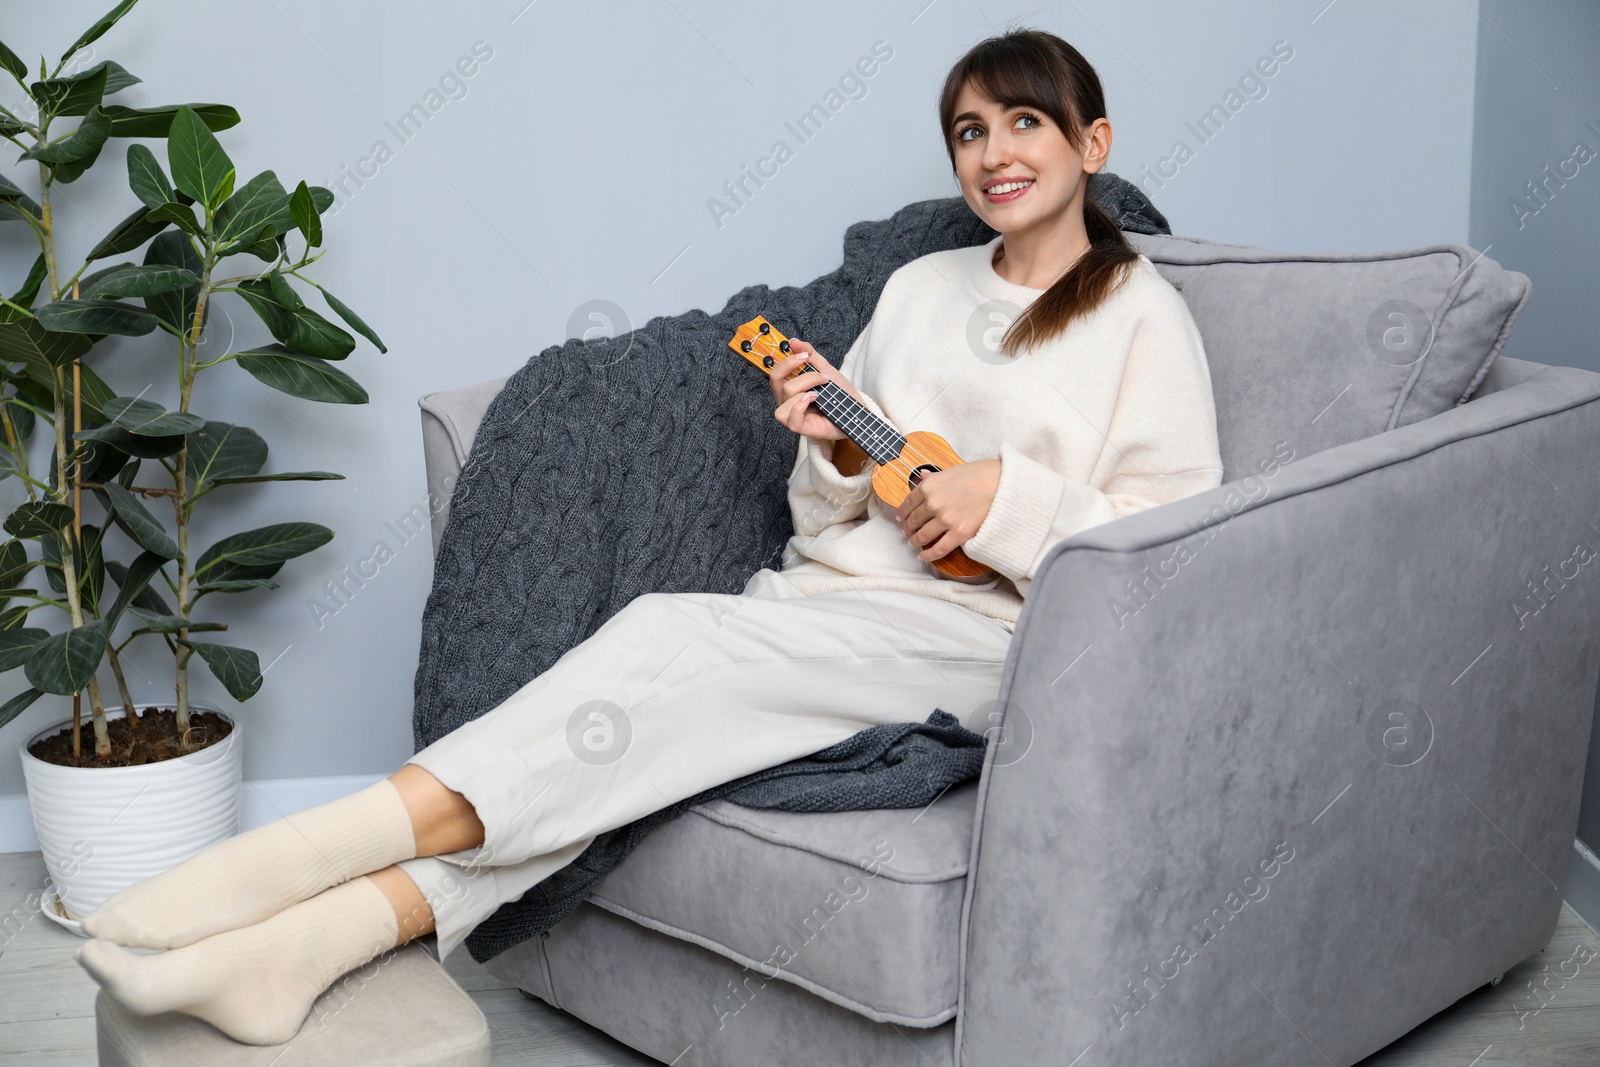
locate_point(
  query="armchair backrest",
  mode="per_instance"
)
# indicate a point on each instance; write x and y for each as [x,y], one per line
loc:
[1309,351]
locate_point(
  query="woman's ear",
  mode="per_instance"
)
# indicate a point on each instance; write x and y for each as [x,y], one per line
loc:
[1098,145]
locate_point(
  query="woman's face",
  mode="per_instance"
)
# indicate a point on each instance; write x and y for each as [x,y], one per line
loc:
[1020,149]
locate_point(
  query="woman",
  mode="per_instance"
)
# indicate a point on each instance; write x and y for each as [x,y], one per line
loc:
[1095,403]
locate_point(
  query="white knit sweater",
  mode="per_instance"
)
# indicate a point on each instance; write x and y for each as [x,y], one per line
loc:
[1109,418]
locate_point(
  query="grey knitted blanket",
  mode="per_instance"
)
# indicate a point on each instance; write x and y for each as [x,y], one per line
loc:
[552,529]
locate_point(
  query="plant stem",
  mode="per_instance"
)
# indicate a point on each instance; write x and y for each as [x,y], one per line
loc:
[45,219]
[189,348]
[69,566]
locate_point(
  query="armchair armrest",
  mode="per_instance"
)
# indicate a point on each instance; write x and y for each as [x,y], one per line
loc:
[450,421]
[1292,764]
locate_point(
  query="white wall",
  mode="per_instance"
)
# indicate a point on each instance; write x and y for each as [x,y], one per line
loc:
[578,166]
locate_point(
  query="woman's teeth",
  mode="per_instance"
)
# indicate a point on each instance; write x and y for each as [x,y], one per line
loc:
[1007,187]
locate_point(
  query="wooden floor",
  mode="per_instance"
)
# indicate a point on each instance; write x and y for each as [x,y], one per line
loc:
[47,1004]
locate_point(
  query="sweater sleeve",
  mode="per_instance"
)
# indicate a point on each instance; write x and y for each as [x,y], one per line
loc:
[1161,446]
[819,496]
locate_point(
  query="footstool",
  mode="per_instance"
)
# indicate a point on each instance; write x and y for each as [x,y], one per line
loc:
[401,1010]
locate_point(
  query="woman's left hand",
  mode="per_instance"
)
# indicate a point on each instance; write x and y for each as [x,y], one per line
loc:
[946,508]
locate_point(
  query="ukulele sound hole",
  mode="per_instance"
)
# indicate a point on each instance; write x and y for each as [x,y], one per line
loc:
[915,477]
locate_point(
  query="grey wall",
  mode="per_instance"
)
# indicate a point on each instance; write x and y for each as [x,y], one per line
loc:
[577,165]
[1536,196]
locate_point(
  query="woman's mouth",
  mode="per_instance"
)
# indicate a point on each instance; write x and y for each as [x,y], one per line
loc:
[1004,192]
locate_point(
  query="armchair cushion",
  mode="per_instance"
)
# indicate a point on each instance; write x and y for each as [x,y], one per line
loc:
[1318,350]
[861,908]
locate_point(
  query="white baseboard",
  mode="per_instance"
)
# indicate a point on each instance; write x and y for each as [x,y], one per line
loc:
[1583,885]
[259,803]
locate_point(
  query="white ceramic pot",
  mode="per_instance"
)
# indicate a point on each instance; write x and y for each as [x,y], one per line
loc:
[101,829]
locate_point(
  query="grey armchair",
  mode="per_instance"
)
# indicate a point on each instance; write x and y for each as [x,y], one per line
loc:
[1283,769]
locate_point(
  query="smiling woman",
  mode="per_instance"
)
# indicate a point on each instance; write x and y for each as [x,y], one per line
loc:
[1025,125]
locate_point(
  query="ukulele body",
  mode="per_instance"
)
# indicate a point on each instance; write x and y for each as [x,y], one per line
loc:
[893,482]
[898,473]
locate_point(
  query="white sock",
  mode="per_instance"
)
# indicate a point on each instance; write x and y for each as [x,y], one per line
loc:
[256,983]
[255,875]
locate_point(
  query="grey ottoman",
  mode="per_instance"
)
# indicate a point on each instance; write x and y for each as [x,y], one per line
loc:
[401,1009]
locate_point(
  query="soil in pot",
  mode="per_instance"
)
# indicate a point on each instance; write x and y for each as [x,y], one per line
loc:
[153,737]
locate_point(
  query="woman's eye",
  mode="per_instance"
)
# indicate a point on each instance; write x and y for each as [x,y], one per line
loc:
[1031,118]
[962,135]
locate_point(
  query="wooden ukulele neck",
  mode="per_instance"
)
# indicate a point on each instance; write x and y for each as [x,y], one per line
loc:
[761,343]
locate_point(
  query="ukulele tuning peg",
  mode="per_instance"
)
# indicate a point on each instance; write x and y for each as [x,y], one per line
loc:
[745,346]
[783,346]
[766,327]
[767,361]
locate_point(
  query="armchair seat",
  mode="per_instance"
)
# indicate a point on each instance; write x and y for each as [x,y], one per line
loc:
[860,908]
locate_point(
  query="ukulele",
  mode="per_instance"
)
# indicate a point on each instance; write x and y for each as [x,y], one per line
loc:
[902,459]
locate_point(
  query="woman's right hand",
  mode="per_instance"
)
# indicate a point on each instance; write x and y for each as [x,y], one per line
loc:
[794,395]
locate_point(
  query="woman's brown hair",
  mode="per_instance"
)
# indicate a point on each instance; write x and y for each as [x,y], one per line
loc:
[1034,68]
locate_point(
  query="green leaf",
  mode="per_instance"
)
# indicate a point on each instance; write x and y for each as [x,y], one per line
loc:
[82,144]
[237,585]
[157,121]
[92,573]
[13,63]
[286,476]
[238,669]
[27,341]
[13,201]
[145,447]
[222,450]
[14,562]
[17,705]
[133,586]
[127,235]
[73,95]
[269,249]
[306,217]
[263,547]
[16,644]
[95,317]
[180,214]
[300,328]
[301,375]
[94,33]
[160,623]
[150,419]
[261,200]
[22,421]
[131,280]
[351,319]
[63,663]
[199,165]
[38,518]
[24,297]
[176,309]
[146,178]
[284,293]
[137,522]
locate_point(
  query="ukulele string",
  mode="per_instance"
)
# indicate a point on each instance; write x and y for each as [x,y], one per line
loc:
[908,450]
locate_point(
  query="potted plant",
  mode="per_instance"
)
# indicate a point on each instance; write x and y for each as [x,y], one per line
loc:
[150,784]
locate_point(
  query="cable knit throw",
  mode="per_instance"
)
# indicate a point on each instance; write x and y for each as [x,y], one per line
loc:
[646,462]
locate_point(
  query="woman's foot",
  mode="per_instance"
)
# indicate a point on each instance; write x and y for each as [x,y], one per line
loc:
[256,983]
[257,874]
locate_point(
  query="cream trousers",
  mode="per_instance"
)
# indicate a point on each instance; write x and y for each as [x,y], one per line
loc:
[678,692]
